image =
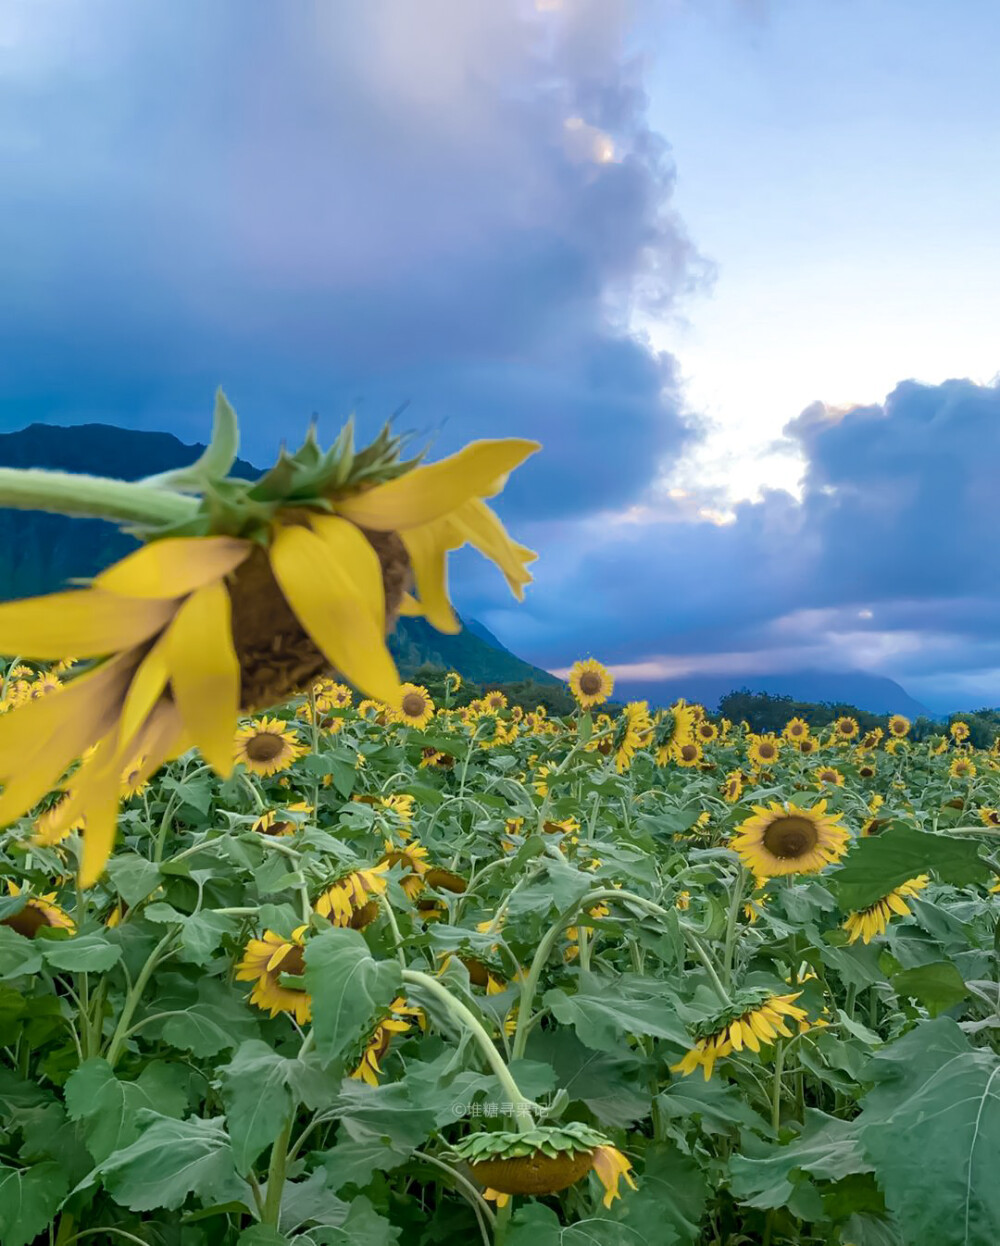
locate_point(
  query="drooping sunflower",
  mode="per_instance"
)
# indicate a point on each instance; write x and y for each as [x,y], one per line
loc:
[784,839]
[796,729]
[413,858]
[989,817]
[352,899]
[962,768]
[672,728]
[633,724]
[756,1017]
[543,1160]
[241,597]
[829,775]
[845,727]
[264,961]
[38,911]
[368,1068]
[416,707]
[590,683]
[764,750]
[874,920]
[899,726]
[267,746]
[870,739]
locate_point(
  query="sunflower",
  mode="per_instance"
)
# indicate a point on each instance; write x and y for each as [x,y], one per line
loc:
[867,769]
[962,768]
[871,739]
[38,911]
[807,746]
[349,901]
[755,1017]
[989,817]
[959,732]
[590,683]
[264,962]
[874,920]
[764,750]
[899,726]
[267,746]
[238,600]
[796,729]
[830,775]
[368,1069]
[689,753]
[413,858]
[416,708]
[453,680]
[51,827]
[706,731]
[132,783]
[672,728]
[270,824]
[845,727]
[732,788]
[784,839]
[543,1160]
[632,725]
[495,700]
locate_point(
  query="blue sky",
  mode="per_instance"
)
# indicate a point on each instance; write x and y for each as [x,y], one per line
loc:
[733,262]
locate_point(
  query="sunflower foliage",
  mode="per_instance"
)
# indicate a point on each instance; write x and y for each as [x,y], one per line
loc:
[484,973]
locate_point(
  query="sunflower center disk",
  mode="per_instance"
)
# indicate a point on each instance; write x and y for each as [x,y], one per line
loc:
[413,704]
[293,962]
[790,837]
[590,683]
[264,746]
[689,752]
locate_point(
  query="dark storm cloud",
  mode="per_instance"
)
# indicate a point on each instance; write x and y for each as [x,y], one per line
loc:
[887,563]
[329,207]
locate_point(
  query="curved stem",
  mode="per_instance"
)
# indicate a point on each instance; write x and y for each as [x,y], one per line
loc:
[120,1036]
[94,497]
[468,1189]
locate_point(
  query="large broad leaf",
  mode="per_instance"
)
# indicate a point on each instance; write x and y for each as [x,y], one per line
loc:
[931,1127]
[349,989]
[109,1108]
[717,1106]
[604,1010]
[878,863]
[204,1019]
[537,1225]
[29,1199]
[257,1098]
[134,877]
[363,1226]
[18,955]
[310,1201]
[201,933]
[938,985]
[826,1148]
[170,1160]
[670,1202]
[609,1084]
[89,952]
[354,1163]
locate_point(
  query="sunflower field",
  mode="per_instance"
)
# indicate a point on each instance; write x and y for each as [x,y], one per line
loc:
[429,974]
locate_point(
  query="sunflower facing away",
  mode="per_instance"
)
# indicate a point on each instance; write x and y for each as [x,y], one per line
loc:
[241,597]
[353,900]
[874,920]
[590,683]
[784,839]
[264,961]
[38,911]
[756,1017]
[630,731]
[368,1068]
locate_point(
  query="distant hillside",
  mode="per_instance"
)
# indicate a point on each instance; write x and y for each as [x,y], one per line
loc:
[868,692]
[40,553]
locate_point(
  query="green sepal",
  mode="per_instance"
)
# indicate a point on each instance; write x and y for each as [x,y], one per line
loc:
[747,1000]
[217,459]
[551,1140]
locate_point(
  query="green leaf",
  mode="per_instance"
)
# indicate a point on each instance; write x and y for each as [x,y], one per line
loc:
[18,955]
[310,1201]
[207,1017]
[133,877]
[826,1148]
[262,1235]
[606,1009]
[90,953]
[931,1127]
[354,1162]
[609,1084]
[362,1227]
[717,1106]
[878,863]
[349,989]
[257,1098]
[201,933]
[669,1204]
[29,1199]
[937,986]
[534,1224]
[170,1160]
[107,1107]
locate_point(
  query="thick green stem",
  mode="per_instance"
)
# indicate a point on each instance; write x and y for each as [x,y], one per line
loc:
[493,1058]
[96,497]
[120,1036]
[276,1175]
[734,910]
[779,1064]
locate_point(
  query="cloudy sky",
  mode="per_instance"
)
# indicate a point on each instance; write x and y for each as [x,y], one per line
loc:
[734,262]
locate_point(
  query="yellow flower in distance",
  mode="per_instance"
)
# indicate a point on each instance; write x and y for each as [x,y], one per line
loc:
[312,566]
[899,726]
[756,1018]
[590,683]
[796,729]
[267,746]
[416,707]
[349,901]
[763,750]
[874,920]
[784,839]
[962,767]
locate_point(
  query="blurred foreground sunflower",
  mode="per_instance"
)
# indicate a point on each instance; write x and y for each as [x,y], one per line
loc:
[245,593]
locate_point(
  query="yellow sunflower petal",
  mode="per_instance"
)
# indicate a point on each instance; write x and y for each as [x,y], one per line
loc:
[86,622]
[174,566]
[427,493]
[205,673]
[427,547]
[328,602]
[481,528]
